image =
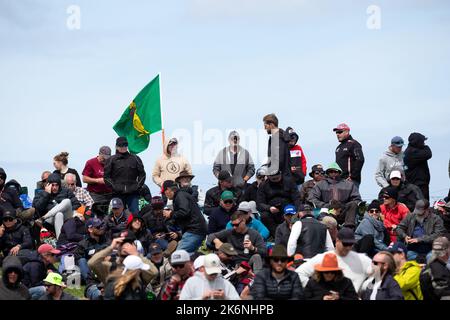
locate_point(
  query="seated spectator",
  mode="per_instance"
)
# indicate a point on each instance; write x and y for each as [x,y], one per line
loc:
[355,266]
[328,282]
[408,193]
[226,254]
[117,220]
[220,216]
[182,270]
[435,278]
[209,284]
[184,182]
[442,209]
[392,211]
[408,272]
[371,234]
[212,198]
[162,264]
[277,282]
[251,191]
[308,237]
[11,287]
[381,285]
[15,239]
[419,229]
[127,284]
[40,185]
[73,230]
[247,209]
[54,286]
[317,174]
[81,194]
[332,227]
[143,235]
[36,267]
[284,230]
[273,195]
[60,162]
[346,192]
[55,204]
[248,243]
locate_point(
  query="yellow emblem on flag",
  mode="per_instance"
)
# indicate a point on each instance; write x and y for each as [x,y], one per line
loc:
[137,124]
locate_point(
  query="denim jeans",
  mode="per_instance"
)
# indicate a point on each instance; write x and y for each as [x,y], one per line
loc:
[131,201]
[37,292]
[190,242]
[93,293]
[412,255]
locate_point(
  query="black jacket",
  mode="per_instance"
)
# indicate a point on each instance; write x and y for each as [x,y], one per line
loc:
[283,157]
[435,281]
[17,291]
[73,230]
[408,194]
[72,171]
[282,234]
[114,226]
[124,173]
[212,198]
[187,214]
[416,158]
[10,194]
[14,236]
[389,290]
[280,194]
[35,271]
[316,290]
[266,287]
[89,246]
[350,149]
[44,202]
[250,192]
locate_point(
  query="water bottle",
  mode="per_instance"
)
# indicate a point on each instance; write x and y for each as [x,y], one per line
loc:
[247,237]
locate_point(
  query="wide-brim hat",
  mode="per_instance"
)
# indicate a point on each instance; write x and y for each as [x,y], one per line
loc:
[279,251]
[329,263]
[184,174]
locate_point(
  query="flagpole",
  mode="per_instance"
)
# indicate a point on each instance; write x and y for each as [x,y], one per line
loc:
[162,113]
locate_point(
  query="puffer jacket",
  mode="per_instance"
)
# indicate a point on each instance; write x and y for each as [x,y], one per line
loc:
[328,189]
[169,167]
[18,234]
[266,287]
[16,291]
[124,173]
[370,226]
[389,162]
[408,194]
[44,202]
[416,159]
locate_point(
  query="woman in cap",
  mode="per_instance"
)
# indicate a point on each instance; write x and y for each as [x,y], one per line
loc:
[328,282]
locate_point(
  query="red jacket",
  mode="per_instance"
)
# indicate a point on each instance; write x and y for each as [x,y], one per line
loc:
[394,216]
[298,161]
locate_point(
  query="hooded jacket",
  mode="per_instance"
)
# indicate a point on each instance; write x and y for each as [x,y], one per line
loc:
[44,202]
[416,159]
[408,279]
[350,157]
[169,166]
[124,173]
[73,230]
[187,214]
[18,234]
[243,167]
[370,226]
[277,194]
[35,270]
[408,194]
[9,195]
[389,162]
[198,284]
[15,291]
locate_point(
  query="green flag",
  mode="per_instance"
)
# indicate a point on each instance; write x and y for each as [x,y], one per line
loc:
[141,118]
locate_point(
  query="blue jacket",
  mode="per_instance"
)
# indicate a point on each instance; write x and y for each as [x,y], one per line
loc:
[255,225]
[370,226]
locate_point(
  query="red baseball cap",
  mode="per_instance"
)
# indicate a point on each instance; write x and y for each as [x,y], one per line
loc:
[44,248]
[342,126]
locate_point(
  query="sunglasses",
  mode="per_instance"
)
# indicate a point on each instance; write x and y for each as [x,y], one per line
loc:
[236,224]
[71,184]
[339,131]
[282,260]
[386,197]
[228,202]
[178,266]
[347,244]
[377,262]
[8,219]
[374,211]
[318,172]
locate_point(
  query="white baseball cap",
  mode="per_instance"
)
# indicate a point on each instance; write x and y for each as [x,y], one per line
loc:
[199,262]
[212,264]
[395,174]
[179,257]
[134,263]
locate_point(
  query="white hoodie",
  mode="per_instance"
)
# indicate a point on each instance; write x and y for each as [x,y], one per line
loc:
[195,287]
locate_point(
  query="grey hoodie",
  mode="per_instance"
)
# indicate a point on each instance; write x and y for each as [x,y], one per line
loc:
[195,287]
[389,162]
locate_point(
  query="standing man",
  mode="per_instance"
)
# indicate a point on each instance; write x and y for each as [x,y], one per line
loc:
[390,161]
[93,173]
[416,159]
[278,146]
[125,174]
[349,154]
[236,160]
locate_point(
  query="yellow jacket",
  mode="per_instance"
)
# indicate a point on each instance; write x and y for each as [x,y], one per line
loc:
[408,280]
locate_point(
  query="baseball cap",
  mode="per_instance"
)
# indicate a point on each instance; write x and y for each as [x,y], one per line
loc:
[168,184]
[244,206]
[179,257]
[94,223]
[8,213]
[397,141]
[342,126]
[346,235]
[440,243]
[421,206]
[252,205]
[54,279]
[304,207]
[290,210]
[121,142]
[46,248]
[212,264]
[199,262]
[132,262]
[395,174]
[116,203]
[398,247]
[155,249]
[391,192]
[227,195]
[105,151]
[228,249]
[157,202]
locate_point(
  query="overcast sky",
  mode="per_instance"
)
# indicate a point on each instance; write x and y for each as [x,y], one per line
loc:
[224,64]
